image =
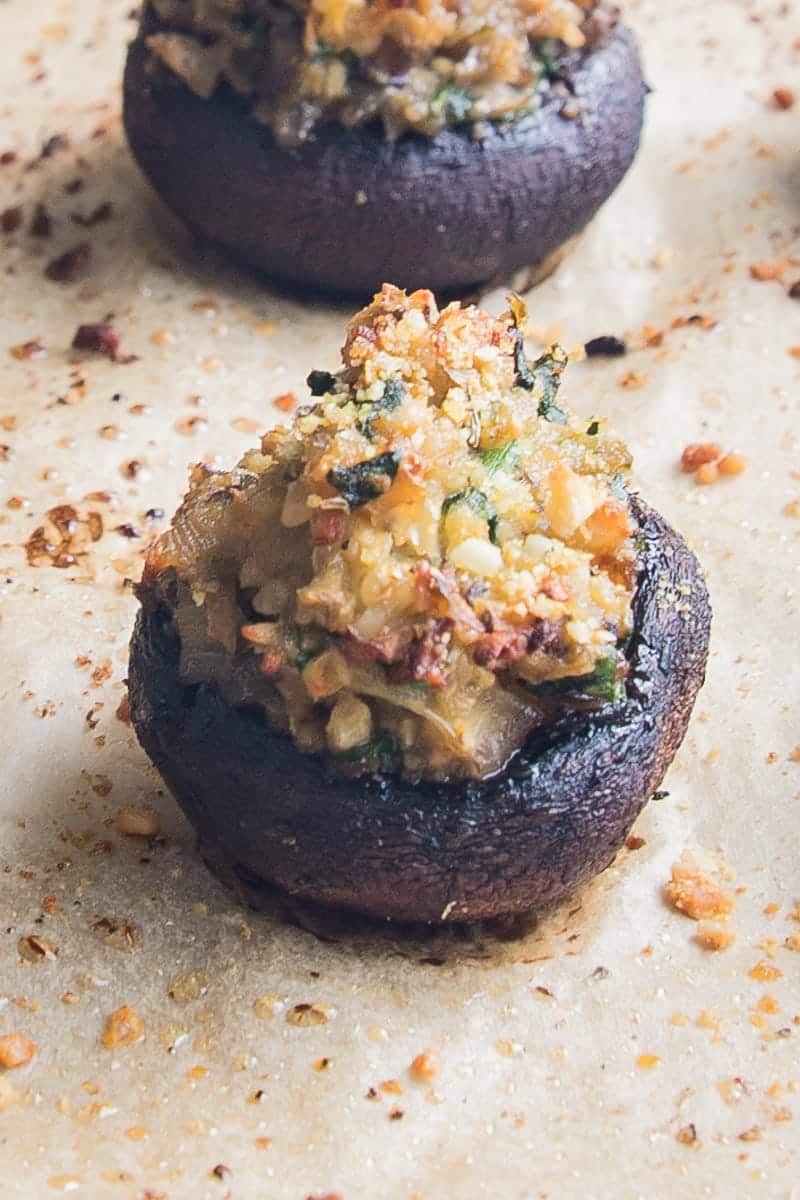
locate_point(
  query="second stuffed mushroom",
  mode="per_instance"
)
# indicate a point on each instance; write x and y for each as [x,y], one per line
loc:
[334,145]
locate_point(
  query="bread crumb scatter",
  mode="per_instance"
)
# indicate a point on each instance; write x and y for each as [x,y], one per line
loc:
[714,937]
[771,910]
[263,1143]
[732,464]
[634,842]
[687,1136]
[764,972]
[124,1027]
[708,473]
[136,1133]
[36,949]
[647,1062]
[188,986]
[133,821]
[792,942]
[694,892]
[307,1014]
[425,1066]
[396,1114]
[28,351]
[16,1050]
[783,98]
[697,454]
[266,1006]
[631,381]
[392,1087]
[771,269]
[768,1004]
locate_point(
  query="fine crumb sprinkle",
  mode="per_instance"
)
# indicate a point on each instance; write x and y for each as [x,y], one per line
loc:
[694,892]
[687,1136]
[714,937]
[783,98]
[16,1050]
[647,1062]
[425,1066]
[764,972]
[135,821]
[124,1027]
[768,270]
[307,1014]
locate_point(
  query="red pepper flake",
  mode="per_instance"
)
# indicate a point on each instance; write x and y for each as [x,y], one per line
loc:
[97,216]
[783,99]
[11,219]
[41,225]
[98,338]
[396,1114]
[70,266]
[27,351]
[286,402]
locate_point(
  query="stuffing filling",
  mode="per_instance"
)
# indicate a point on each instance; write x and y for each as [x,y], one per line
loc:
[433,560]
[418,65]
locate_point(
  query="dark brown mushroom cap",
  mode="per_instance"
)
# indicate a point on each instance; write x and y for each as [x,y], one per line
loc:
[446,212]
[386,847]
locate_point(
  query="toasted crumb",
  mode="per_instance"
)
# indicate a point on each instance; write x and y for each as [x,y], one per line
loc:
[732,464]
[16,1050]
[687,1136]
[783,98]
[124,1027]
[393,1087]
[137,822]
[693,892]
[697,454]
[794,755]
[714,937]
[708,473]
[764,972]
[634,842]
[792,942]
[769,269]
[307,1014]
[768,1004]
[286,402]
[753,1134]
[794,351]
[263,1143]
[425,1066]
[646,1062]
[631,381]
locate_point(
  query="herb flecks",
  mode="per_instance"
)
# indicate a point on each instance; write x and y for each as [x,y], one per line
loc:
[452,102]
[394,393]
[605,683]
[479,503]
[380,747]
[500,458]
[366,480]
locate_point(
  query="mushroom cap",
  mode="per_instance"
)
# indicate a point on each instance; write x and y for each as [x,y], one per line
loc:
[519,841]
[349,209]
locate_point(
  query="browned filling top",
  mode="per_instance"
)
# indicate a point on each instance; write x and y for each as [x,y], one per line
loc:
[433,560]
[417,65]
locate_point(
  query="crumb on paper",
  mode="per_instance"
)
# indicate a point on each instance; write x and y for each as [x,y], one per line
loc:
[769,269]
[714,937]
[764,972]
[693,891]
[188,986]
[16,1050]
[648,1062]
[687,1136]
[783,98]
[308,1014]
[123,1027]
[134,821]
[425,1066]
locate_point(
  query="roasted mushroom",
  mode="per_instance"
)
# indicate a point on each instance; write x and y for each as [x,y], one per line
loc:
[421,655]
[333,146]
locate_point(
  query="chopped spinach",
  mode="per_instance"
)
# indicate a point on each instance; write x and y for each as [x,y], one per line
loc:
[601,684]
[500,457]
[593,428]
[366,480]
[479,503]
[320,383]
[546,50]
[378,747]
[544,374]
[394,392]
[452,102]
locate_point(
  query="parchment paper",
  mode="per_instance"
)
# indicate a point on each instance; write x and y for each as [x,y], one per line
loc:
[559,1079]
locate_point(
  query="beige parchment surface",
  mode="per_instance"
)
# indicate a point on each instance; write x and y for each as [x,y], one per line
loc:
[558,1079]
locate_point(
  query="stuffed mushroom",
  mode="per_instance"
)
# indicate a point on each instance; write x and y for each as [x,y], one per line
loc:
[333,145]
[421,654]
